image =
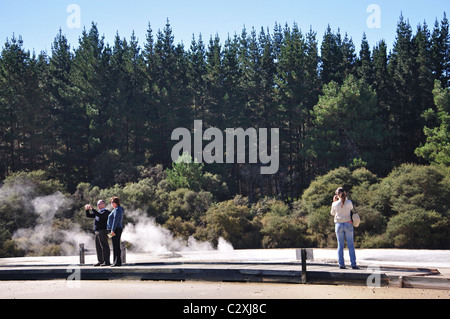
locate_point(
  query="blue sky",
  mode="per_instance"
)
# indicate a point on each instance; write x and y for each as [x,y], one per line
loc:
[38,21]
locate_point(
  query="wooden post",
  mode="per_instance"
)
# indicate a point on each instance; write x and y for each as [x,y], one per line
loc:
[304,277]
[81,254]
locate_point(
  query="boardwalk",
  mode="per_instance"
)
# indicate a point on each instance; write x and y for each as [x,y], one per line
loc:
[262,266]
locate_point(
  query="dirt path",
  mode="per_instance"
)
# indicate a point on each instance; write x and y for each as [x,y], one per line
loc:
[59,289]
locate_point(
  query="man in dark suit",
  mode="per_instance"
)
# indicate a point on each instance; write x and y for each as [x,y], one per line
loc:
[101,234]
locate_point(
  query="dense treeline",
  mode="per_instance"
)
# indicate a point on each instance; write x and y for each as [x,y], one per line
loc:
[96,121]
[99,113]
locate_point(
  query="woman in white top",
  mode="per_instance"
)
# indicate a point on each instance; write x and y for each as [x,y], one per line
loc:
[341,210]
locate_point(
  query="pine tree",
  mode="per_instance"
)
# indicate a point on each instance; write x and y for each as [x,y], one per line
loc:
[348,57]
[406,101]
[364,63]
[150,92]
[197,76]
[267,80]
[233,100]
[331,57]
[127,99]
[437,147]
[24,121]
[440,52]
[171,94]
[37,121]
[248,82]
[313,87]
[214,114]
[346,126]
[277,40]
[290,96]
[68,116]
[383,87]
[445,40]
[92,79]
[422,53]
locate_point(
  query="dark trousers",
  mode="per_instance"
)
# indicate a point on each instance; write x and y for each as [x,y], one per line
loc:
[102,246]
[116,247]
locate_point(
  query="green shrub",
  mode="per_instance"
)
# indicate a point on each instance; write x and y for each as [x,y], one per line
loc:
[180,228]
[187,204]
[233,222]
[185,173]
[39,183]
[409,187]
[9,249]
[281,231]
[419,229]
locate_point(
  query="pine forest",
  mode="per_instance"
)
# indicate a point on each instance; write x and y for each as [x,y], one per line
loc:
[95,121]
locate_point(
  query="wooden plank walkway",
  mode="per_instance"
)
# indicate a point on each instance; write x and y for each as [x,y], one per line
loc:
[234,272]
[277,266]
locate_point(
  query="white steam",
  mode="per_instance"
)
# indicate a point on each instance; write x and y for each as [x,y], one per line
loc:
[47,206]
[146,236]
[44,235]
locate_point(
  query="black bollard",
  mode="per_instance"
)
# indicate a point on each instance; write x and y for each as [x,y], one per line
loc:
[123,253]
[304,278]
[81,254]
